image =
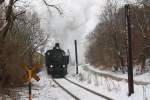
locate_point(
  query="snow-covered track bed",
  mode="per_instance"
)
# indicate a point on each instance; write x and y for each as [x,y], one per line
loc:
[96,93]
[78,92]
[75,97]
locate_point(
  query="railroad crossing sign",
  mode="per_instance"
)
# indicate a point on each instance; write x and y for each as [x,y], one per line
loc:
[31,72]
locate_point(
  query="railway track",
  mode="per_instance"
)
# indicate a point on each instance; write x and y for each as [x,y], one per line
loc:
[73,90]
[72,95]
[101,95]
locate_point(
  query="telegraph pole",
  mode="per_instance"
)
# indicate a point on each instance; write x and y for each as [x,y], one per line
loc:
[129,53]
[76,53]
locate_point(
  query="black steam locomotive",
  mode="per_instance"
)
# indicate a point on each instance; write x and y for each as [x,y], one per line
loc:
[56,61]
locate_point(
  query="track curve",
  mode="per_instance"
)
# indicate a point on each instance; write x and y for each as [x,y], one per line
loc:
[72,95]
[79,92]
[108,98]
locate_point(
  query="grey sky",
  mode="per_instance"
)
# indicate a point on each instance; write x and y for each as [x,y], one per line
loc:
[78,19]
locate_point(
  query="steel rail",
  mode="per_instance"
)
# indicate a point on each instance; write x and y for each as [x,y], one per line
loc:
[96,93]
[75,97]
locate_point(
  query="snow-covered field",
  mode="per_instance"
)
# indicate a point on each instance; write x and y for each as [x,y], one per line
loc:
[46,89]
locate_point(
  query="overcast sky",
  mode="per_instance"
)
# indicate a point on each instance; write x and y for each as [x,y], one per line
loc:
[79,18]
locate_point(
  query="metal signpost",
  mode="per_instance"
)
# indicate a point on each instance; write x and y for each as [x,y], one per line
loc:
[76,53]
[31,72]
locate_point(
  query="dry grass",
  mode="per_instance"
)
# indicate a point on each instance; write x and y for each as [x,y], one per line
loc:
[9,94]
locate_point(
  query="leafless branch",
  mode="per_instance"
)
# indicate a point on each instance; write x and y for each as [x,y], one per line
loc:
[53,6]
[22,12]
[1,1]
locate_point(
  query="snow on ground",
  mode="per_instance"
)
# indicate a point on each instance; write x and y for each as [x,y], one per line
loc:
[144,77]
[118,90]
[45,89]
[78,91]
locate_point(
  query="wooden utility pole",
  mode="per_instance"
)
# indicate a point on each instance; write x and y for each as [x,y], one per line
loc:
[129,53]
[76,56]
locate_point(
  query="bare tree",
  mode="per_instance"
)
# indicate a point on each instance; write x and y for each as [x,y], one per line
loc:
[141,29]
[20,38]
[24,41]
[11,16]
[1,1]
[109,36]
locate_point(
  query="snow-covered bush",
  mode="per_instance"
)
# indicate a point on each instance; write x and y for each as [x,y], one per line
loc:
[81,77]
[89,80]
[147,64]
[96,82]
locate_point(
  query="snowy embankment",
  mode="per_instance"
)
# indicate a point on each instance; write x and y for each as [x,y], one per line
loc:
[116,89]
[143,79]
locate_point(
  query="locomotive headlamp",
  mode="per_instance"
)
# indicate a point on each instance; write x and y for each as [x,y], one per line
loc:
[64,66]
[51,66]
